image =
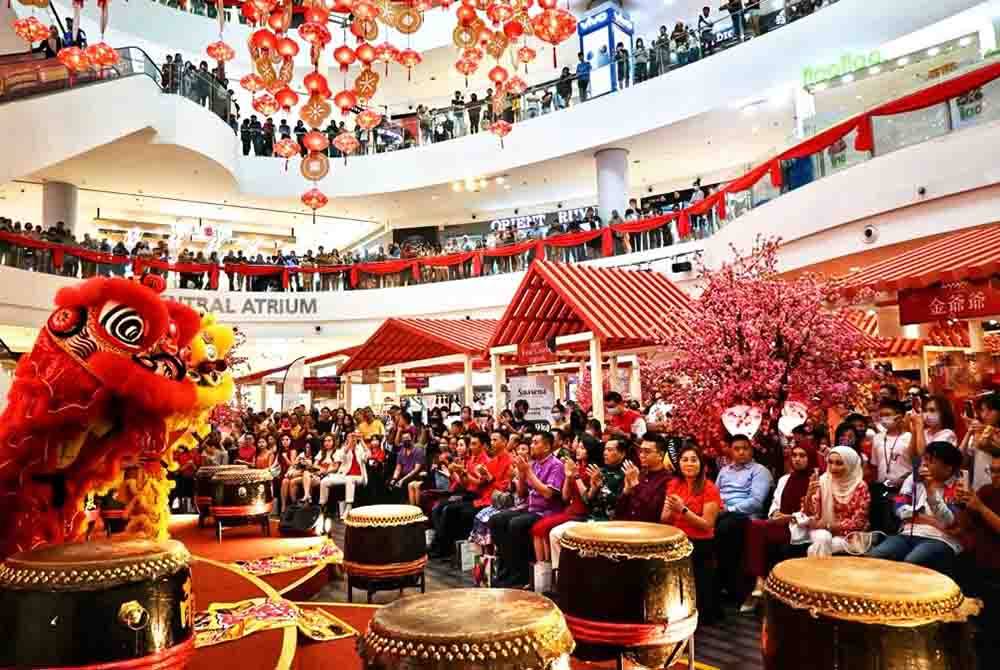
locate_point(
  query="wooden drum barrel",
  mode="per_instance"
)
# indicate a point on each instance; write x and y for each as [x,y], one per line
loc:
[478,629]
[102,604]
[385,541]
[204,488]
[627,589]
[845,612]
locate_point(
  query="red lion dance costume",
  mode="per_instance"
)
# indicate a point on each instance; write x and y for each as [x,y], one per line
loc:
[93,395]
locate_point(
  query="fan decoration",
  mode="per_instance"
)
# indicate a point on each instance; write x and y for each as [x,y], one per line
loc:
[74,59]
[220,51]
[368,119]
[102,55]
[501,129]
[31,30]
[314,199]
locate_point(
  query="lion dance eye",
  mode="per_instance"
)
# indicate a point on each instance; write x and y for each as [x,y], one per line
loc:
[122,323]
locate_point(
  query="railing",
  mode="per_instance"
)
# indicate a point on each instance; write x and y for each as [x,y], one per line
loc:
[967,100]
[33,74]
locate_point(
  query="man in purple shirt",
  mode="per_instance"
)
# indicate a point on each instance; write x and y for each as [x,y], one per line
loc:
[541,481]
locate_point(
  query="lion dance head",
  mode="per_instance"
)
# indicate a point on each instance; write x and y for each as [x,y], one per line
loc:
[117,375]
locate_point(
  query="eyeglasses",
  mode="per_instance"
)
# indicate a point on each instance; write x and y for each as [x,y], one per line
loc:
[648,450]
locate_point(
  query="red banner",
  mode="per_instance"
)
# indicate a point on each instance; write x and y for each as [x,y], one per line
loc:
[417,382]
[950,300]
[533,353]
[328,384]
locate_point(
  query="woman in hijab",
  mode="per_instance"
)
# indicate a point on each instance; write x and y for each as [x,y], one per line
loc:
[781,527]
[837,503]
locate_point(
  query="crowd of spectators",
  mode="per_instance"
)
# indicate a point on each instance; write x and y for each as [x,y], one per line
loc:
[513,486]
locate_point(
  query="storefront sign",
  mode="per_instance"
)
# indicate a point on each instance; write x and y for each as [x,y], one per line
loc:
[848,62]
[953,300]
[327,384]
[533,353]
[538,391]
[229,306]
[417,382]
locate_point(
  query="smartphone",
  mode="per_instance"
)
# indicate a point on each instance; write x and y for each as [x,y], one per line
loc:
[969,410]
[917,405]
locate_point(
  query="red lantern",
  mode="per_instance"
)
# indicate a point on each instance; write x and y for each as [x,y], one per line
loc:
[315,15]
[346,142]
[409,59]
[366,11]
[265,104]
[513,30]
[345,100]
[286,148]
[345,56]
[314,140]
[501,129]
[287,98]
[250,12]
[74,58]
[341,6]
[368,119]
[102,55]
[498,75]
[314,199]
[499,11]
[252,83]
[315,82]
[316,34]
[472,53]
[553,26]
[526,55]
[31,30]
[288,47]
[516,86]
[466,66]
[263,6]
[548,4]
[264,39]
[465,15]
[365,53]
[278,21]
[386,53]
[220,51]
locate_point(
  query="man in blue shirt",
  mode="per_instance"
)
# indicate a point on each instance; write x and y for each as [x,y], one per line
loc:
[744,486]
[78,40]
[583,77]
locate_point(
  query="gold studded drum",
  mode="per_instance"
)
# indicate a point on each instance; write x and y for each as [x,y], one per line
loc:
[477,629]
[204,487]
[385,541]
[103,604]
[846,612]
[242,493]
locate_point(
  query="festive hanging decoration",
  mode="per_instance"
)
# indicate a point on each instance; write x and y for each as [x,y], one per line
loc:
[499,11]
[386,53]
[316,109]
[501,129]
[102,55]
[346,100]
[346,143]
[264,39]
[365,84]
[315,165]
[515,86]
[408,20]
[265,104]
[366,30]
[314,199]
[513,29]
[472,53]
[288,47]
[496,43]
[221,52]
[252,83]
[466,67]
[345,56]
[554,26]
[286,148]
[526,55]
[409,59]
[498,75]
[74,59]
[368,119]
[286,98]
[31,30]
[365,53]
[314,140]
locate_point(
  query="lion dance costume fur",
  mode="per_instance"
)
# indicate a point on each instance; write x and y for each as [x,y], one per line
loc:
[116,379]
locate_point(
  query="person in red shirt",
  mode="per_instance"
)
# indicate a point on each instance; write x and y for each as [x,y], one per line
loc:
[620,420]
[188,461]
[247,451]
[483,476]
[587,451]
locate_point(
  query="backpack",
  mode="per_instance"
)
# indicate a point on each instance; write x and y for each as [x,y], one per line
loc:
[300,519]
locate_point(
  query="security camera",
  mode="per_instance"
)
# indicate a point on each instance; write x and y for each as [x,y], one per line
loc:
[318,329]
[649,189]
[869,235]
[922,191]
[559,205]
[473,217]
[516,212]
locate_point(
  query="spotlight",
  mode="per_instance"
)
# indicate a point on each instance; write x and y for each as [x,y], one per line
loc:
[680,266]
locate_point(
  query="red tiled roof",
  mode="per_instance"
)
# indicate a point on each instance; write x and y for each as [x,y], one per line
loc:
[621,307]
[941,335]
[406,340]
[966,254]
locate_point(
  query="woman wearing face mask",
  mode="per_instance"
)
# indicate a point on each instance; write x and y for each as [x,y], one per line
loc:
[982,440]
[836,503]
[936,423]
[781,528]
[558,419]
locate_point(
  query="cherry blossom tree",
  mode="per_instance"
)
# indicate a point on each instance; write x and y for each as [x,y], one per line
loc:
[759,339]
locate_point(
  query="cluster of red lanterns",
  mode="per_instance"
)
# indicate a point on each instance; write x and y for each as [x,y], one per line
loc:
[31,30]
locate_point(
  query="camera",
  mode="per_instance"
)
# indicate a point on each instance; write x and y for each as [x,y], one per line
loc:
[921,191]
[318,329]
[473,217]
[869,235]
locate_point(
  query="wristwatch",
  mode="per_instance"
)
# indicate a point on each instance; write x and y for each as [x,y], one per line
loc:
[684,511]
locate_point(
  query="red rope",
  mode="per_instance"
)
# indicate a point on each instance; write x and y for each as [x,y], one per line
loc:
[171,658]
[242,510]
[621,634]
[385,571]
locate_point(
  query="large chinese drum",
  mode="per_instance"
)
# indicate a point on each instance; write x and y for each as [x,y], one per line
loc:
[627,590]
[204,488]
[478,629]
[844,612]
[242,496]
[385,541]
[102,604]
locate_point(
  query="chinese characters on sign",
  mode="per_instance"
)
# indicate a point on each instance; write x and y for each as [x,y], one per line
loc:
[533,353]
[953,300]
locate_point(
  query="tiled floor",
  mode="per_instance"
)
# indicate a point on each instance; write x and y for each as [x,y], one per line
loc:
[732,645]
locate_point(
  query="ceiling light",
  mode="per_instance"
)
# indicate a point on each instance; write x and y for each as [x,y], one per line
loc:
[905,60]
[965,41]
[934,51]
[875,70]
[506,187]
[500,180]
[435,197]
[456,187]
[847,79]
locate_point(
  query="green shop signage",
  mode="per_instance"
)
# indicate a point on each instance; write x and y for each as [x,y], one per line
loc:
[848,63]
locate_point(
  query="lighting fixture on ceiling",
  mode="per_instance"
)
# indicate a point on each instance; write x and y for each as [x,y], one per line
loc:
[934,51]
[875,69]
[500,180]
[965,41]
[905,60]
[847,79]
[456,187]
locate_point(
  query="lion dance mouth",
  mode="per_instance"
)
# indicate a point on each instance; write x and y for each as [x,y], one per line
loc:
[116,379]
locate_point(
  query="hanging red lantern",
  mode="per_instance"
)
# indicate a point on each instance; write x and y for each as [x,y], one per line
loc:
[409,59]
[288,47]
[548,4]
[341,6]
[498,75]
[250,13]
[465,15]
[220,51]
[31,30]
[287,98]
[74,58]
[345,56]
[499,11]
[102,55]
[472,53]
[252,83]
[501,129]
[366,11]
[423,5]
[513,30]
[286,148]
[264,39]
[466,66]
[263,6]
[277,21]
[345,100]
[526,55]
[368,119]
[346,142]
[265,104]
[315,82]
[314,140]
[365,53]
[515,86]
[386,53]
[553,26]
[315,15]
[314,199]
[316,34]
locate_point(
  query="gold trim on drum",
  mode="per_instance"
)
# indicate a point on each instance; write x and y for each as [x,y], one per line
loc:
[243,476]
[76,567]
[383,516]
[868,590]
[623,540]
[522,627]
[209,471]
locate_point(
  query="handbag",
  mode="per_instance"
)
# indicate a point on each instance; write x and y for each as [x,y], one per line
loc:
[502,500]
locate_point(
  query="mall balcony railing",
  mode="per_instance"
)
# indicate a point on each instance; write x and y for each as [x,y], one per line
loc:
[950,105]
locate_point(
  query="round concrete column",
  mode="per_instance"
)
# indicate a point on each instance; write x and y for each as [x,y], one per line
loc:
[59,203]
[612,181]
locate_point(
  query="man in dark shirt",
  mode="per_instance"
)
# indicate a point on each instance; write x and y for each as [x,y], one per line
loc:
[256,136]
[583,77]
[300,132]
[70,40]
[644,492]
[229,258]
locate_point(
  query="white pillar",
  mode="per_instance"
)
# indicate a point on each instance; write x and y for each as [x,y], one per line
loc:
[399,385]
[612,181]
[635,382]
[596,379]
[59,203]
[498,380]
[467,369]
[262,390]
[346,381]
[613,374]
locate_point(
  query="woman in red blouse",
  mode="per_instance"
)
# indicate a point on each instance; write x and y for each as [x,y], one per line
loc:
[692,505]
[837,503]
[587,450]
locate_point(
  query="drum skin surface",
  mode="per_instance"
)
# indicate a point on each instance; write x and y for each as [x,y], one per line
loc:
[848,612]
[384,535]
[482,629]
[97,603]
